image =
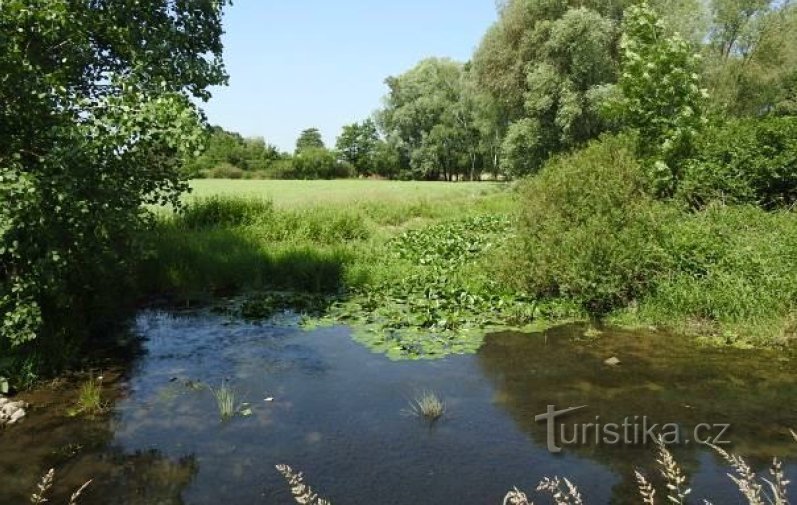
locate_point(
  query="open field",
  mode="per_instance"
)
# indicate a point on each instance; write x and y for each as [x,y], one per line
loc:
[287,194]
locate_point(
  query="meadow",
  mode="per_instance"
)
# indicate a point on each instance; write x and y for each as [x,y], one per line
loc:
[286,194]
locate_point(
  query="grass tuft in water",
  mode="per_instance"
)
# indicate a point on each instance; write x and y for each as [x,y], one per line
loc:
[225,400]
[427,405]
[89,401]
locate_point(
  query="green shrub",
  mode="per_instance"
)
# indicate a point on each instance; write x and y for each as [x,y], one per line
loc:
[319,163]
[223,170]
[749,161]
[731,273]
[588,229]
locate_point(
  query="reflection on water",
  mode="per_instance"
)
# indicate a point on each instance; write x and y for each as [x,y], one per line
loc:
[666,379]
[337,416]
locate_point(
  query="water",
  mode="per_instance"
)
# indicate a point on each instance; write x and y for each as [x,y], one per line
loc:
[337,415]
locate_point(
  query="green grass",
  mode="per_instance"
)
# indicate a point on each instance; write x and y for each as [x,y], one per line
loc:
[419,274]
[292,194]
[413,275]
[89,401]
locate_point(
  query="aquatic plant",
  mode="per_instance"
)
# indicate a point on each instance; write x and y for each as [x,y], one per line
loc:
[427,405]
[89,400]
[302,493]
[225,400]
[46,483]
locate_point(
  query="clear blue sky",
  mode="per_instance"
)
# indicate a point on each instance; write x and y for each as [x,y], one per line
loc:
[296,64]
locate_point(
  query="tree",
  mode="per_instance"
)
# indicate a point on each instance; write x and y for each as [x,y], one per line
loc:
[431,122]
[751,56]
[660,94]
[357,145]
[96,120]
[309,139]
[548,62]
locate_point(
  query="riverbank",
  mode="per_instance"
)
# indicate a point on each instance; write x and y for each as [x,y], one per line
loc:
[424,277]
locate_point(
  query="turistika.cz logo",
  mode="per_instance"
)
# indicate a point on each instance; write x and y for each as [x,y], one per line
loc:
[633,430]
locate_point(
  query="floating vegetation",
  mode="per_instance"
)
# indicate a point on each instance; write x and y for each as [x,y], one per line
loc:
[439,297]
[427,405]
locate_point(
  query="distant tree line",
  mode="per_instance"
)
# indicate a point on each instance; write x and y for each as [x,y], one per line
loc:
[544,80]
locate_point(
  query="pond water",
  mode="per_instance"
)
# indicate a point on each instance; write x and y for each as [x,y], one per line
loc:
[337,415]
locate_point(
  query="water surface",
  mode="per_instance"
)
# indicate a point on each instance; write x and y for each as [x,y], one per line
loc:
[337,415]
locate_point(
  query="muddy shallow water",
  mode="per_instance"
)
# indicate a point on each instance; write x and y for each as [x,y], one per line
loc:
[337,415]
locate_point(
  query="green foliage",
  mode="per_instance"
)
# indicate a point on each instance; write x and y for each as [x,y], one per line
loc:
[319,163]
[729,275]
[590,233]
[429,118]
[358,144]
[746,161]
[660,95]
[215,211]
[588,229]
[89,401]
[751,55]
[421,292]
[309,139]
[229,156]
[523,149]
[91,131]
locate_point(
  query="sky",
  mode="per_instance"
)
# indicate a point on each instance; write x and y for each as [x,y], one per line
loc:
[296,64]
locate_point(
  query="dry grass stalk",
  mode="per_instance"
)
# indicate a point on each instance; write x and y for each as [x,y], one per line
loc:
[646,490]
[76,495]
[567,495]
[44,486]
[675,478]
[516,497]
[745,478]
[778,484]
[302,493]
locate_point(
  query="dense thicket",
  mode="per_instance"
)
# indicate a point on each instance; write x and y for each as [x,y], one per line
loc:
[96,118]
[686,219]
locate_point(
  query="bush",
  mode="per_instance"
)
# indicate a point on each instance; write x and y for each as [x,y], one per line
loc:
[319,163]
[223,171]
[747,161]
[591,234]
[588,229]
[219,211]
[731,272]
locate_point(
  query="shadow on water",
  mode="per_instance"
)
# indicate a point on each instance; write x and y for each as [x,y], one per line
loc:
[336,414]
